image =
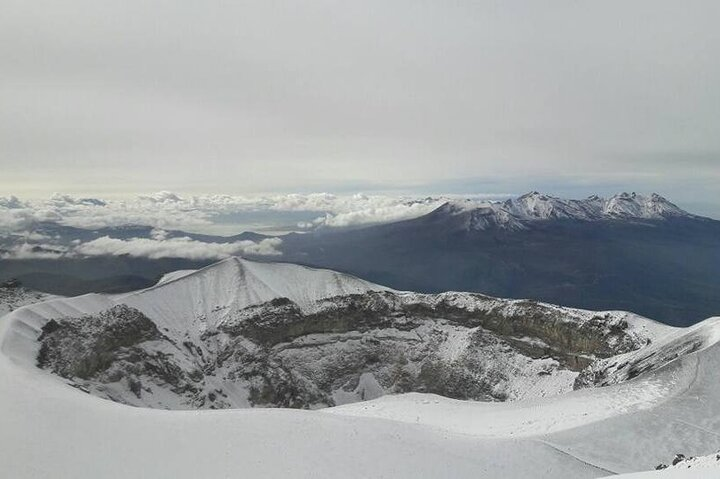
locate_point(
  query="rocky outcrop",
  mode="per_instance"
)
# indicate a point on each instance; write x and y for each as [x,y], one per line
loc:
[86,346]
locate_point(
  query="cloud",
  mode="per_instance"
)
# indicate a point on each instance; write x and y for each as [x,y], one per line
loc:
[61,200]
[167,210]
[161,197]
[94,213]
[158,234]
[156,248]
[34,251]
[11,202]
[378,214]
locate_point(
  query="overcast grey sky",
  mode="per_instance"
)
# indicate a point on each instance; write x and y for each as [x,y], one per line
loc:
[576,97]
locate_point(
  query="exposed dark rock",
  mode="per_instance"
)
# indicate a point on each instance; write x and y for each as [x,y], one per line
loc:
[83,347]
[11,284]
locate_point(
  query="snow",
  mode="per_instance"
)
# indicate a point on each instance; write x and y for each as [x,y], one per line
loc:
[633,205]
[367,388]
[640,327]
[173,275]
[223,288]
[50,429]
[456,343]
[188,307]
[188,303]
[514,213]
[515,419]
[192,311]
[631,426]
[703,467]
[660,352]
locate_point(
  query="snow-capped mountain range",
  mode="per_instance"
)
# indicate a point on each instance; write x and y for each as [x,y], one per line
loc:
[515,212]
[593,253]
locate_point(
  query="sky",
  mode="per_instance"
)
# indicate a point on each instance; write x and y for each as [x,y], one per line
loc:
[119,98]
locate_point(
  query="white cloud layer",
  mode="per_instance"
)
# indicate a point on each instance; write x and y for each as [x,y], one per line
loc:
[34,251]
[176,248]
[152,248]
[167,210]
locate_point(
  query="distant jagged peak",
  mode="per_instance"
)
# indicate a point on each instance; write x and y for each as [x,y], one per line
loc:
[633,205]
[514,213]
[538,206]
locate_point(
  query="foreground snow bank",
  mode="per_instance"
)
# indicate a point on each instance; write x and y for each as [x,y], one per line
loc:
[704,467]
[51,430]
[48,429]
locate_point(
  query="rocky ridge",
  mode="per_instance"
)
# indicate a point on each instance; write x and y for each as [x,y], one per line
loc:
[517,213]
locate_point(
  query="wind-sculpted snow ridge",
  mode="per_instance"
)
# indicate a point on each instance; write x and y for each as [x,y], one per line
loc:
[241,334]
[515,213]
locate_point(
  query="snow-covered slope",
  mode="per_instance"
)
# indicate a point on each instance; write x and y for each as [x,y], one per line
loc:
[630,426]
[515,213]
[703,467]
[654,356]
[195,302]
[48,429]
[236,283]
[173,275]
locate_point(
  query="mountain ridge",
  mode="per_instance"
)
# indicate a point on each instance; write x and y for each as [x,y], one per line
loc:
[242,333]
[514,213]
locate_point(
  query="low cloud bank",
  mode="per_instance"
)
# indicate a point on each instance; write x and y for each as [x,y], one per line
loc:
[168,210]
[176,248]
[34,251]
[156,247]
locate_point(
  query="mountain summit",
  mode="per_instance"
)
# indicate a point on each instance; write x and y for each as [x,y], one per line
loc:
[513,213]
